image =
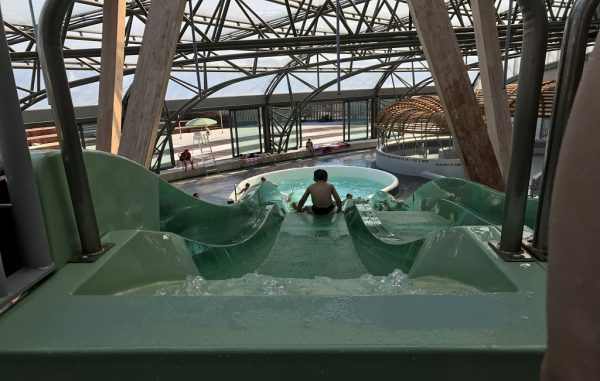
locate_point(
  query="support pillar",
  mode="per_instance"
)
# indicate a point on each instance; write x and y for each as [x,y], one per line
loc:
[151,78]
[497,113]
[454,89]
[111,76]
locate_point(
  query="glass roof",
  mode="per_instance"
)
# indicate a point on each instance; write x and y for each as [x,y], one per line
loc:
[255,44]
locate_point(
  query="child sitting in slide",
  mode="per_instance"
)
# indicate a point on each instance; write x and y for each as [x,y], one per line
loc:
[321,193]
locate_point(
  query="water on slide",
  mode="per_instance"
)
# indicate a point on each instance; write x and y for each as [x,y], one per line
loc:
[312,255]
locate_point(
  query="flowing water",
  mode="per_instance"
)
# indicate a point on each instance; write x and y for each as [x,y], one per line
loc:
[254,284]
[312,255]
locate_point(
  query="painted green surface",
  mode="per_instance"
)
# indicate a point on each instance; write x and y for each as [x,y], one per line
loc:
[482,201]
[125,196]
[144,258]
[326,238]
[235,260]
[461,201]
[76,326]
[463,253]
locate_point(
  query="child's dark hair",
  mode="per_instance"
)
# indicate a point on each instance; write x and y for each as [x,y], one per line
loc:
[320,175]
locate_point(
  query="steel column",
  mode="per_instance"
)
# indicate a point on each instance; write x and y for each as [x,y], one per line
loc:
[16,163]
[57,85]
[526,112]
[25,203]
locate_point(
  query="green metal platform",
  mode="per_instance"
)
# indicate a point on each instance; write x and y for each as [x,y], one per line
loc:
[84,322]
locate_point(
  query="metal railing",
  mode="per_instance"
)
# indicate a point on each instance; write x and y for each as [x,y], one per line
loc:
[523,140]
[50,44]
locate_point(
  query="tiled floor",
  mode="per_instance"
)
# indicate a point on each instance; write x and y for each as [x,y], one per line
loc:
[216,188]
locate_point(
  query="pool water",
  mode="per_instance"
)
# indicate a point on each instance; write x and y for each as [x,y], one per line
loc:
[254,284]
[357,186]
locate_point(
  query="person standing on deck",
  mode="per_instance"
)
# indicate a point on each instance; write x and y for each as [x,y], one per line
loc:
[321,193]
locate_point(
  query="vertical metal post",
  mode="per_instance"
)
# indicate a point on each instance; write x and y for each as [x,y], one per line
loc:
[344,121]
[235,129]
[81,136]
[528,95]
[32,13]
[318,73]
[259,124]
[265,126]
[57,86]
[14,153]
[507,42]
[570,69]
[196,50]
[231,137]
[337,44]
[299,130]
[4,288]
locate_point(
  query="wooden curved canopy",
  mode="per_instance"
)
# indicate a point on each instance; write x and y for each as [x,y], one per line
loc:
[422,115]
[425,115]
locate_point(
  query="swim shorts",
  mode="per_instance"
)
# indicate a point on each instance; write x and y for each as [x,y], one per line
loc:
[325,210]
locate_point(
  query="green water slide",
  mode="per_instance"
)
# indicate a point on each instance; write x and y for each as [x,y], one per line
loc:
[129,197]
[95,320]
[425,234]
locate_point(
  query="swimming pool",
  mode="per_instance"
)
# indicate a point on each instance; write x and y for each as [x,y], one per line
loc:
[358,187]
[359,181]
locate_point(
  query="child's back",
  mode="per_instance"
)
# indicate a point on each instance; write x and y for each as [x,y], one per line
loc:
[321,193]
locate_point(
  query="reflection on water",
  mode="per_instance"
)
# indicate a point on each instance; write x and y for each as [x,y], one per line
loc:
[253,284]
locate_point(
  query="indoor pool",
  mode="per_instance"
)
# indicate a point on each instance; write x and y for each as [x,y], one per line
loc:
[358,187]
[359,181]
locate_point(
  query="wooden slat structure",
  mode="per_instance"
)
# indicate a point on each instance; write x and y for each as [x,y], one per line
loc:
[421,115]
[546,99]
[425,114]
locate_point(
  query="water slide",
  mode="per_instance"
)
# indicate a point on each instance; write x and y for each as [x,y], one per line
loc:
[258,235]
[99,312]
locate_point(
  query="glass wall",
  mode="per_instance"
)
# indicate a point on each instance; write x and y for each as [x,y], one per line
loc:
[357,122]
[283,119]
[246,129]
[322,122]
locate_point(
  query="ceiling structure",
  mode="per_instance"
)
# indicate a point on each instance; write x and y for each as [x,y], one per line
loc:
[230,48]
[238,47]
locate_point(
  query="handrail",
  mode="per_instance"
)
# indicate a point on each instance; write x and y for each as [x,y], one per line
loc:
[50,43]
[526,111]
[570,69]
